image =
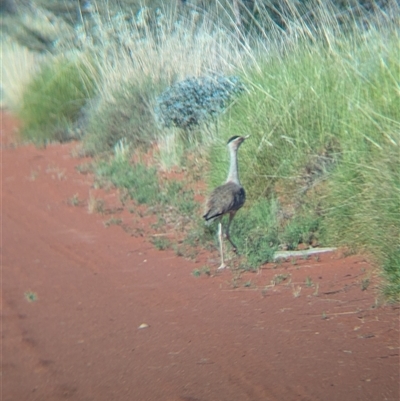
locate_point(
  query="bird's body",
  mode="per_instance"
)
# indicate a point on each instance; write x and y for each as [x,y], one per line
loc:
[227,198]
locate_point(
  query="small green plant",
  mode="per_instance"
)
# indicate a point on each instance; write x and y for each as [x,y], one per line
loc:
[391,271]
[31,296]
[279,278]
[113,221]
[161,243]
[200,235]
[74,200]
[365,284]
[206,270]
[160,223]
[309,282]
[203,270]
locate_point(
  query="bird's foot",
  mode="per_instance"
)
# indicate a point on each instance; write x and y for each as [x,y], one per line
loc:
[223,266]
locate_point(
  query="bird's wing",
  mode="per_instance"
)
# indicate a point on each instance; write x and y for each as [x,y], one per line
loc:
[224,199]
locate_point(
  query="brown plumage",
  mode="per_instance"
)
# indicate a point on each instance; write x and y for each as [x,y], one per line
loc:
[227,198]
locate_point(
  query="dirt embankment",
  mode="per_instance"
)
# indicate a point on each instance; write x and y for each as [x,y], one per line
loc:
[75,292]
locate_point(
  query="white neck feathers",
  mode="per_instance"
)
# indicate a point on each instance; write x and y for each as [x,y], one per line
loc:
[233,175]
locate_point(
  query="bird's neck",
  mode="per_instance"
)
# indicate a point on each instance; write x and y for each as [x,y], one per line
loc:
[233,175]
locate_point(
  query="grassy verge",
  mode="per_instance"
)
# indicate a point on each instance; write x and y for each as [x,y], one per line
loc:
[325,143]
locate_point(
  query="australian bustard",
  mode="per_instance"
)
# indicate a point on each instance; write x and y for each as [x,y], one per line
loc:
[227,198]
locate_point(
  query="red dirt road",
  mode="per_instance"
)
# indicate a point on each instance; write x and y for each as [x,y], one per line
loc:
[75,292]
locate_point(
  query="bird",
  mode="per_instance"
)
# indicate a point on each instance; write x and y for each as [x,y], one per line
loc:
[227,198]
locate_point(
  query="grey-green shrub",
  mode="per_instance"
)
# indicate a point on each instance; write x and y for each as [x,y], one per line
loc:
[195,101]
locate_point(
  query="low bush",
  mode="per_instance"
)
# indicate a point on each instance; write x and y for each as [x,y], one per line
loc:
[195,101]
[128,115]
[53,99]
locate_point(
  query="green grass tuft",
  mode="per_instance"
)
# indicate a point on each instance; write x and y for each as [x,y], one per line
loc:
[53,99]
[143,184]
[161,243]
[391,272]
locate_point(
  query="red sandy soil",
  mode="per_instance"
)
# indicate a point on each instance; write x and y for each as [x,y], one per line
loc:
[75,292]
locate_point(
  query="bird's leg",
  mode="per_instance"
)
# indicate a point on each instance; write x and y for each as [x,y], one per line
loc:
[231,215]
[221,246]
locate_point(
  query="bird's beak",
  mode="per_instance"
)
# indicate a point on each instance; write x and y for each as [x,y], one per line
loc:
[247,136]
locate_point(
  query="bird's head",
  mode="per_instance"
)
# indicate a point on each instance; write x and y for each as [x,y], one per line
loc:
[236,141]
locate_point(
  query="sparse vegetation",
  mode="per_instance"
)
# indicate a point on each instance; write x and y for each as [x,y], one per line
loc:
[203,270]
[365,284]
[279,278]
[31,296]
[95,205]
[74,200]
[309,282]
[113,221]
[161,243]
